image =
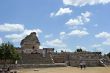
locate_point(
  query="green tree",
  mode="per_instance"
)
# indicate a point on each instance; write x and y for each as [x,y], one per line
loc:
[79,50]
[8,52]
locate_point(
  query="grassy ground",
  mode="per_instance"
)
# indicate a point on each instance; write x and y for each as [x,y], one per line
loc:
[67,70]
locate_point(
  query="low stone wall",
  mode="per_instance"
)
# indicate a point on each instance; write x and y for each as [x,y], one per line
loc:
[43,65]
[89,63]
[19,66]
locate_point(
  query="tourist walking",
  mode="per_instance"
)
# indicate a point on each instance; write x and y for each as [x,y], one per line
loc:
[81,65]
[84,64]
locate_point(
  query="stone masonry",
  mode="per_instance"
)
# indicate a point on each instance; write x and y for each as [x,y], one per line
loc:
[31,54]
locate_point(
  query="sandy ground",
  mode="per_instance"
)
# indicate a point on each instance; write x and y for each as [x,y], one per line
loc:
[66,70]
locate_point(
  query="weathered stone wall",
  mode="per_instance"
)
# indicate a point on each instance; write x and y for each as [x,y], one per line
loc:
[74,59]
[60,57]
[92,63]
[90,58]
[35,59]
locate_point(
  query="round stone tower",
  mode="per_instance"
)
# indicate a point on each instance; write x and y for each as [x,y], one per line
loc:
[30,43]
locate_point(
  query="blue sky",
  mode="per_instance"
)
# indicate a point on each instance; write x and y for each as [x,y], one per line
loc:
[62,24]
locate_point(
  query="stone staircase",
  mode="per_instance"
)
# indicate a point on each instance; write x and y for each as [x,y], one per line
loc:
[35,59]
[105,63]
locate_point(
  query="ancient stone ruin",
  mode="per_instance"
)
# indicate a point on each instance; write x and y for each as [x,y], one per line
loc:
[30,43]
[32,54]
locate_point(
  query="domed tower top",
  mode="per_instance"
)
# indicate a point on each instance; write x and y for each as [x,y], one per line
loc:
[30,42]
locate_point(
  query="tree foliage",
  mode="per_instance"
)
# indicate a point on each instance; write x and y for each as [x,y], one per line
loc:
[79,50]
[8,52]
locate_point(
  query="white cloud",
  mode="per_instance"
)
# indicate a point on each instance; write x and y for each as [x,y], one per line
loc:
[73,33]
[82,47]
[28,31]
[15,37]
[55,43]
[19,37]
[62,33]
[99,49]
[107,42]
[79,20]
[78,33]
[41,47]
[0,40]
[74,22]
[104,35]
[64,50]
[61,11]
[85,2]
[96,45]
[49,36]
[6,27]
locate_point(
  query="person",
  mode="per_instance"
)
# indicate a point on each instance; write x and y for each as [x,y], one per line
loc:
[84,64]
[81,65]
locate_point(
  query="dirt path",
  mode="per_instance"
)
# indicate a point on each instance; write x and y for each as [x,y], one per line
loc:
[67,70]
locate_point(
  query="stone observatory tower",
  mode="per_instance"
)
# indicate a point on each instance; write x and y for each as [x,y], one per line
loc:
[30,43]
